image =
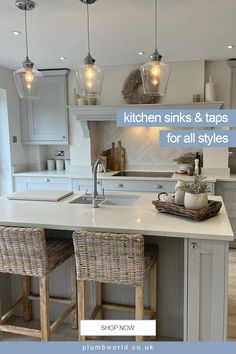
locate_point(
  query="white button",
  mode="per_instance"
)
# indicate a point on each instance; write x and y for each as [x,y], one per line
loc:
[118,328]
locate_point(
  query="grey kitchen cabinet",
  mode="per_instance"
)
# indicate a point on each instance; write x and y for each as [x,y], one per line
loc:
[228,192]
[45,121]
[206,275]
[54,183]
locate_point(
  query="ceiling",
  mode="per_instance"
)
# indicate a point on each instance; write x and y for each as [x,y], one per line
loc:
[187,30]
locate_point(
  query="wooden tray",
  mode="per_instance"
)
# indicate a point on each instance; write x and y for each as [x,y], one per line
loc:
[211,210]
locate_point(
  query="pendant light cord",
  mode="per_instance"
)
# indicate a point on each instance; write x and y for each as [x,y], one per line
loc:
[156,24]
[88,28]
[26,35]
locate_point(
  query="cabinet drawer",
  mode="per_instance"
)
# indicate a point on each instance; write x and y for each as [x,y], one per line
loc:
[54,183]
[45,180]
[141,186]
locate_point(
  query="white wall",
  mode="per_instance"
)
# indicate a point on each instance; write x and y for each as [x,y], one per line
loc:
[216,160]
[5,156]
[222,76]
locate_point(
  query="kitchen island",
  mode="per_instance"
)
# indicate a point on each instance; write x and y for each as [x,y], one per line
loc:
[193,255]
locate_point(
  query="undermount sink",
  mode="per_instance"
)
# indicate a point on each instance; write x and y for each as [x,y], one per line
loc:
[143,174]
[118,200]
[122,200]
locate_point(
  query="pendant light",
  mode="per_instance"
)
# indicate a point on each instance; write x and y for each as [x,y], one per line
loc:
[155,73]
[27,79]
[89,75]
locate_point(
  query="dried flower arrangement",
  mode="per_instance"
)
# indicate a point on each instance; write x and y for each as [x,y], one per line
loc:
[186,158]
[197,187]
[131,92]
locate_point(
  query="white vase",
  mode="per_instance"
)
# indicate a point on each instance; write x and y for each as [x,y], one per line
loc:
[184,167]
[179,194]
[195,201]
[179,197]
[210,91]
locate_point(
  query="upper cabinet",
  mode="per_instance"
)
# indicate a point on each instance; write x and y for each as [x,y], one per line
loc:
[45,121]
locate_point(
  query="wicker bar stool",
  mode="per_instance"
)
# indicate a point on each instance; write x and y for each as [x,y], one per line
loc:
[26,252]
[118,259]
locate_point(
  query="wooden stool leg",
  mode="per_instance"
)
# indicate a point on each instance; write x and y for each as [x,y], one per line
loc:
[27,308]
[153,293]
[74,293]
[139,307]
[99,299]
[1,333]
[44,308]
[81,296]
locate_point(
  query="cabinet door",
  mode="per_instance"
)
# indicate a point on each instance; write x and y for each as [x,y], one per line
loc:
[44,121]
[206,275]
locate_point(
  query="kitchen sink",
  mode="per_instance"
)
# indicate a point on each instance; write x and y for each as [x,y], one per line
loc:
[143,174]
[122,200]
[84,199]
[118,200]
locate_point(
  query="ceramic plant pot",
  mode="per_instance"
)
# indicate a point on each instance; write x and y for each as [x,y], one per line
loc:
[195,201]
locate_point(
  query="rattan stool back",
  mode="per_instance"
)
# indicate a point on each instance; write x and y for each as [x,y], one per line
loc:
[23,251]
[109,258]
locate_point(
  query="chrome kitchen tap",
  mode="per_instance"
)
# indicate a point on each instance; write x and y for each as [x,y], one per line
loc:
[95,179]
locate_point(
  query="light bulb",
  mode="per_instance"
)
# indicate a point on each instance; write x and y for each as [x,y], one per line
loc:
[29,76]
[89,72]
[155,82]
[89,84]
[155,71]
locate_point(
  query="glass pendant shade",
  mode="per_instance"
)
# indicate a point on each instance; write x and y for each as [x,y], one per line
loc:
[89,76]
[155,76]
[28,82]
[90,80]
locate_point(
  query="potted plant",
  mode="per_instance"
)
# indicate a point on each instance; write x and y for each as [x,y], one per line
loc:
[185,161]
[195,197]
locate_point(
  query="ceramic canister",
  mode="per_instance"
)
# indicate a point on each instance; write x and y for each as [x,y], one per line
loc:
[51,165]
[59,165]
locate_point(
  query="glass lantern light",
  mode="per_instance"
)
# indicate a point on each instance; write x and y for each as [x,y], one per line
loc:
[27,79]
[155,73]
[89,76]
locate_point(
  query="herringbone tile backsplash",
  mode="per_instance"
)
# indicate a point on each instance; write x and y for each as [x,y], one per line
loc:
[141,144]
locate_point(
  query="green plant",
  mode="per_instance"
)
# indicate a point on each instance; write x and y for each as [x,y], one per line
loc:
[187,157]
[197,187]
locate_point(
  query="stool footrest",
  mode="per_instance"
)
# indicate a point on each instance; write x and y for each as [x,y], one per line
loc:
[21,330]
[58,300]
[11,312]
[61,318]
[125,308]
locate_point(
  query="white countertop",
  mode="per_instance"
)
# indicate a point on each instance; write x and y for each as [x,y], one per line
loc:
[108,175]
[141,217]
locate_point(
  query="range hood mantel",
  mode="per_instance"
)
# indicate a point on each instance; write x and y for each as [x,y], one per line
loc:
[99,113]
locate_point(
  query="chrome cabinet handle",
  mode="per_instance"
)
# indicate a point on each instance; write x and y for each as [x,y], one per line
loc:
[194,245]
[47,180]
[158,186]
[120,185]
